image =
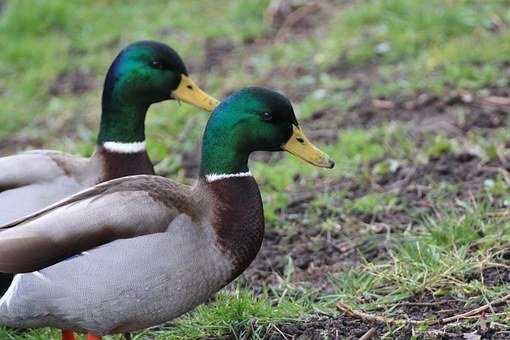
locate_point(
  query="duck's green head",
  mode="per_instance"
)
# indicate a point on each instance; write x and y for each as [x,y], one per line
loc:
[144,73]
[148,72]
[254,119]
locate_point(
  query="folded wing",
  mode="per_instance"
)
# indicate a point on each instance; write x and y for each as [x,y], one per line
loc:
[117,209]
[27,168]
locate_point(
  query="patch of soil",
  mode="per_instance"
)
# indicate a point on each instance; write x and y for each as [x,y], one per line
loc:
[496,276]
[296,18]
[217,50]
[315,253]
[454,115]
[295,90]
[190,163]
[420,307]
[290,21]
[424,306]
[13,145]
[325,327]
[73,82]
[414,183]
[492,276]
[310,253]
[344,327]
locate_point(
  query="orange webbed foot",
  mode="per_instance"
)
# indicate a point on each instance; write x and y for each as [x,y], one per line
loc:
[67,335]
[93,337]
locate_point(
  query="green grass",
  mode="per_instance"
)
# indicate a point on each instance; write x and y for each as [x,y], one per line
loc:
[86,36]
[426,45]
[436,261]
[353,52]
[431,45]
[238,312]
[372,203]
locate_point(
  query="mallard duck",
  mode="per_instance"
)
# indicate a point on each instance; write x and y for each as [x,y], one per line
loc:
[141,250]
[143,73]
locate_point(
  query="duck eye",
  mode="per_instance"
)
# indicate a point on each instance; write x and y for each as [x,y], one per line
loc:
[157,64]
[267,116]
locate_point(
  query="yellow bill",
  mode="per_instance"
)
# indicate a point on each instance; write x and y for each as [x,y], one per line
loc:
[301,147]
[189,92]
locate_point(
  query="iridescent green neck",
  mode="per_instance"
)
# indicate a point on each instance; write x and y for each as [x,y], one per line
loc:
[220,156]
[223,150]
[124,110]
[121,121]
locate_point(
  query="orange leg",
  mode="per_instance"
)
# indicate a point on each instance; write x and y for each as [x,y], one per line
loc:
[67,335]
[92,337]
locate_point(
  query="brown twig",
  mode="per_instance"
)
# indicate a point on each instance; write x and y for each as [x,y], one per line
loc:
[439,334]
[368,335]
[476,311]
[424,304]
[496,101]
[279,331]
[502,171]
[373,318]
[300,198]
[495,265]
[384,320]
[338,248]
[500,214]
[381,319]
[446,311]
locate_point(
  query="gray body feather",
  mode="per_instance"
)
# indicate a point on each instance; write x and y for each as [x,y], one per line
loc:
[33,180]
[122,286]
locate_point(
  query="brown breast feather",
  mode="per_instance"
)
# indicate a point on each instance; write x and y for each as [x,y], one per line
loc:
[238,219]
[116,165]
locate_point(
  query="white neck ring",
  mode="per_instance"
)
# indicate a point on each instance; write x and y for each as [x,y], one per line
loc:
[119,147]
[216,177]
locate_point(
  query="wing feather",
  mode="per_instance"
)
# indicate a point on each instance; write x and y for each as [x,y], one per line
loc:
[27,168]
[117,209]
